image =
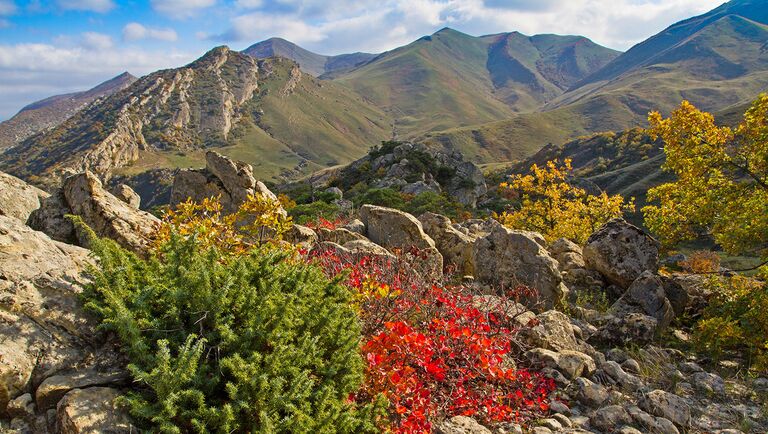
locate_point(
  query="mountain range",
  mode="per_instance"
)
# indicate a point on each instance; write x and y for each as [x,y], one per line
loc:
[496,98]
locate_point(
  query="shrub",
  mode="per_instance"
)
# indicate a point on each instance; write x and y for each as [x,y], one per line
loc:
[436,351]
[701,261]
[736,319]
[381,197]
[253,342]
[305,213]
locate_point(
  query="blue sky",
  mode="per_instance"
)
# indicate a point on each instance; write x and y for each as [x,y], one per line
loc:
[57,46]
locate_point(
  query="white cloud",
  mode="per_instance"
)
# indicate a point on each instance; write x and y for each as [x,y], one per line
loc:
[376,25]
[7,7]
[249,4]
[96,41]
[136,31]
[181,9]
[29,72]
[100,6]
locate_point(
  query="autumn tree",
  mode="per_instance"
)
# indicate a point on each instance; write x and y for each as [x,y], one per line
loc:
[722,179]
[552,205]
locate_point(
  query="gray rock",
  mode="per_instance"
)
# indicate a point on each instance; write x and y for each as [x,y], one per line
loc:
[455,246]
[17,198]
[22,407]
[589,393]
[610,417]
[553,331]
[551,423]
[92,410]
[628,328]
[335,191]
[461,425]
[355,226]
[646,295]
[667,405]
[631,366]
[621,252]
[53,388]
[508,258]
[127,195]
[627,381]
[301,235]
[338,235]
[711,384]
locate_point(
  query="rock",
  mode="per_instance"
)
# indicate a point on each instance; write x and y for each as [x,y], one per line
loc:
[508,258]
[667,405]
[229,180]
[559,407]
[646,295]
[355,226]
[92,410]
[17,198]
[710,384]
[127,195]
[629,328]
[553,332]
[674,260]
[627,381]
[563,419]
[49,218]
[589,393]
[628,430]
[631,366]
[42,322]
[461,425]
[395,229]
[551,423]
[366,247]
[22,407]
[610,417]
[455,246]
[301,235]
[107,215]
[418,187]
[336,191]
[676,294]
[338,235]
[53,388]
[541,430]
[621,252]
[567,253]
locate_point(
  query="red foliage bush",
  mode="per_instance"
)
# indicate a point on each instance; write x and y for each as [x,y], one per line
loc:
[436,350]
[327,224]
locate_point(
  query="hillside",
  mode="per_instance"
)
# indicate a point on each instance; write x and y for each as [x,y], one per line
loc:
[451,79]
[716,61]
[52,111]
[309,62]
[265,112]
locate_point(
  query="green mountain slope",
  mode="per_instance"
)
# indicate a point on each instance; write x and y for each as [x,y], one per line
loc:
[451,79]
[716,61]
[309,62]
[265,112]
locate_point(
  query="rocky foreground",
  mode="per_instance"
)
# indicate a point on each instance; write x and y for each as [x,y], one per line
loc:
[612,361]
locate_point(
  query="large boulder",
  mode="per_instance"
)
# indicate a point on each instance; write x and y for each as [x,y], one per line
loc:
[42,323]
[107,215]
[17,198]
[454,245]
[552,330]
[229,180]
[621,252]
[395,229]
[508,258]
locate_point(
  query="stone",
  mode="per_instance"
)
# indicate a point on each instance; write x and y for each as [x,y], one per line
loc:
[559,407]
[621,252]
[575,364]
[50,218]
[541,430]
[628,430]
[92,410]
[455,246]
[610,417]
[369,248]
[567,253]
[42,322]
[553,331]
[355,226]
[53,388]
[551,423]
[127,195]
[628,328]
[708,383]
[627,381]
[107,215]
[563,419]
[676,294]
[338,235]
[589,393]
[667,405]
[507,258]
[646,295]
[23,407]
[631,366]
[17,198]
[461,425]
[336,191]
[395,229]
[419,187]
[301,236]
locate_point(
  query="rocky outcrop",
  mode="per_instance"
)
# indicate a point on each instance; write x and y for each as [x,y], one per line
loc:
[621,252]
[46,336]
[127,195]
[229,180]
[646,295]
[508,258]
[17,198]
[454,245]
[394,229]
[92,410]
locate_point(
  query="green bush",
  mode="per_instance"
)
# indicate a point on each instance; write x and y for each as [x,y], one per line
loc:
[429,201]
[254,343]
[381,197]
[302,214]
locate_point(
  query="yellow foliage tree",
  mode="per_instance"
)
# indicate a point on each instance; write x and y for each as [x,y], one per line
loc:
[259,219]
[552,206]
[722,179]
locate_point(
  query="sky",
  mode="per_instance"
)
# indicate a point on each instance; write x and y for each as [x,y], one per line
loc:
[59,46]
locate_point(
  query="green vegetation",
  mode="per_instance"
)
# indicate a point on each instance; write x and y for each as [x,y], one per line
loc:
[256,342]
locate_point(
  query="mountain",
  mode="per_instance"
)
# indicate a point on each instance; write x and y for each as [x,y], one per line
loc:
[265,112]
[52,111]
[716,60]
[451,79]
[309,62]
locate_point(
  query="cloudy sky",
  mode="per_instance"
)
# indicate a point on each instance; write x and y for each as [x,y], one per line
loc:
[50,47]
